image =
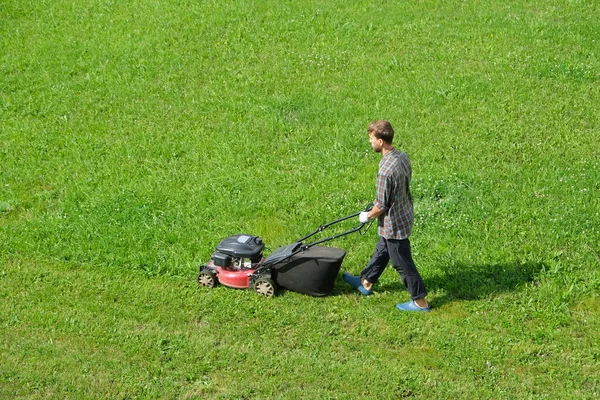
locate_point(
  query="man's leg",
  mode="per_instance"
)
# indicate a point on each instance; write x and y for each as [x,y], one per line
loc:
[376,265]
[400,254]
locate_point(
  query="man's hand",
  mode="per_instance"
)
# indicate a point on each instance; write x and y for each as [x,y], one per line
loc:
[363,217]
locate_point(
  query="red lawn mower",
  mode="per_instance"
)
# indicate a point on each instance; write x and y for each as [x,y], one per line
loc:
[305,268]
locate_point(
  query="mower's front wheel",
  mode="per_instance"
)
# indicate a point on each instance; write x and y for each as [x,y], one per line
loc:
[207,278]
[265,286]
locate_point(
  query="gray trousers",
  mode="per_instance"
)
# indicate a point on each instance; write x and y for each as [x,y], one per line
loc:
[399,252]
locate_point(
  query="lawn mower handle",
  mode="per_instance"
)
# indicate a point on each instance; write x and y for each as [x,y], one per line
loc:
[323,227]
[286,252]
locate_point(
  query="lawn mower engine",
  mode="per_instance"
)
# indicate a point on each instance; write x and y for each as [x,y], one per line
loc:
[238,252]
[235,263]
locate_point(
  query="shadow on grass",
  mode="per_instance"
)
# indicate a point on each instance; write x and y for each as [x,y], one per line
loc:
[474,282]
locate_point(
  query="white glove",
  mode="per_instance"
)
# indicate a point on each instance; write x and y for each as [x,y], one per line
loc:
[363,217]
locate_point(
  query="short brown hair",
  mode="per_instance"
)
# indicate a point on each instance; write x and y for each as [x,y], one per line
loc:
[382,129]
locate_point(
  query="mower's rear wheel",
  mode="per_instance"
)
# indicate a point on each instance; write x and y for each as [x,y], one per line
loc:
[265,287]
[207,278]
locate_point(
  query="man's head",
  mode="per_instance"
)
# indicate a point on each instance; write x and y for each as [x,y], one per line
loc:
[381,135]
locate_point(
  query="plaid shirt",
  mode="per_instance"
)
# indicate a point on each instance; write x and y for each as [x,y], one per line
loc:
[393,196]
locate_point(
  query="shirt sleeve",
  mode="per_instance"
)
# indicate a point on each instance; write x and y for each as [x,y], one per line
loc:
[384,193]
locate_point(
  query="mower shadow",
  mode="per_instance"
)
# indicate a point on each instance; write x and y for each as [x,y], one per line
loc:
[466,282]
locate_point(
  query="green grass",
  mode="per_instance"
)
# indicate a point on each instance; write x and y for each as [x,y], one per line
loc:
[134,136]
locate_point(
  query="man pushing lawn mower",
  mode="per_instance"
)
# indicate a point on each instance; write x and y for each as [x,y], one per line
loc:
[393,208]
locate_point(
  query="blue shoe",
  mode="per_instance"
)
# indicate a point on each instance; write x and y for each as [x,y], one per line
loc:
[411,306]
[364,291]
[351,280]
[354,281]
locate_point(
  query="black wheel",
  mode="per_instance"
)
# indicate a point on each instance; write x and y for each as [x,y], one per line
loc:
[207,278]
[265,286]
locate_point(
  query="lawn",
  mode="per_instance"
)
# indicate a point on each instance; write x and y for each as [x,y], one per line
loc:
[135,135]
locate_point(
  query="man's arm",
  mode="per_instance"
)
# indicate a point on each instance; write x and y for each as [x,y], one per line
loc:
[365,216]
[383,189]
[375,212]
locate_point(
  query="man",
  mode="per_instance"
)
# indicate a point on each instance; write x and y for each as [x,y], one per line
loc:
[394,209]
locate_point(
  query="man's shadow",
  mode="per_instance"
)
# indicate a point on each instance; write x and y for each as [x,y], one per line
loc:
[473,282]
